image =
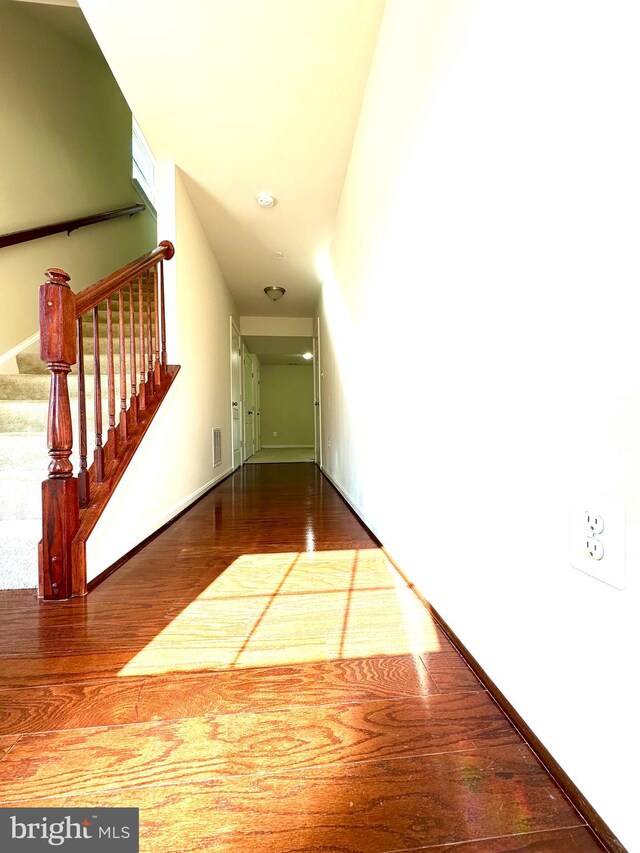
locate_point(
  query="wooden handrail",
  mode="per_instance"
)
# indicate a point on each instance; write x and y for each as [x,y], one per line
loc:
[106,287]
[72,505]
[67,225]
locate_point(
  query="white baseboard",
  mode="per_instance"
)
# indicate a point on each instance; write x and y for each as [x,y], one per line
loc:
[192,498]
[176,509]
[352,503]
[286,446]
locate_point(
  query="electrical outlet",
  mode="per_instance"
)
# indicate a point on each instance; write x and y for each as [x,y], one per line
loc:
[594,548]
[275,434]
[593,522]
[597,539]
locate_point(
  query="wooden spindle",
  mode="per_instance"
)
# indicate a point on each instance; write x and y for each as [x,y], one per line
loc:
[149,335]
[98,453]
[83,474]
[157,378]
[163,322]
[133,402]
[122,426]
[111,450]
[60,489]
[142,388]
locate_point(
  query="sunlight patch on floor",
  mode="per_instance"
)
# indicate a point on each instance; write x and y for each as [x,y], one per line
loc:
[278,609]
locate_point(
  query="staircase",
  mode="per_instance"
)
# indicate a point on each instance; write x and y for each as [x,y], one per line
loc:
[23,455]
[24,404]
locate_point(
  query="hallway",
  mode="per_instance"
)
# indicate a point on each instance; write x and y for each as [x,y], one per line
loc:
[274,455]
[259,678]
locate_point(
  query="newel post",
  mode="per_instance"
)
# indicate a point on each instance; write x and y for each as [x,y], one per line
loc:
[60,490]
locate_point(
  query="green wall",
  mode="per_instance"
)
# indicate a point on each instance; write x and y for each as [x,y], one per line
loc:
[64,153]
[286,394]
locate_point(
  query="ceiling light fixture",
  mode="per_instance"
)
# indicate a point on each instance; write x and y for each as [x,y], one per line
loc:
[307,355]
[265,199]
[275,293]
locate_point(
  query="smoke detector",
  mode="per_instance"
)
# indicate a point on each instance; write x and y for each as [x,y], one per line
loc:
[265,199]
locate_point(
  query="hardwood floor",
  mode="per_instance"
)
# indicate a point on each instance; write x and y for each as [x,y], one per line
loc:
[259,678]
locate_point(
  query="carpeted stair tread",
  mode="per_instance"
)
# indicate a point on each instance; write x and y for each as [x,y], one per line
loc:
[25,455]
[19,552]
[23,452]
[19,386]
[89,349]
[31,363]
[30,416]
[36,386]
[21,496]
[87,319]
[24,405]
[23,415]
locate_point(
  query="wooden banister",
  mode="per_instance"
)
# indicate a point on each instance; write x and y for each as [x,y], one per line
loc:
[67,225]
[108,286]
[72,505]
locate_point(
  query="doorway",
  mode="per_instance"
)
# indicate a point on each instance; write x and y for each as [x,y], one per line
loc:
[287,410]
[317,377]
[278,398]
[249,407]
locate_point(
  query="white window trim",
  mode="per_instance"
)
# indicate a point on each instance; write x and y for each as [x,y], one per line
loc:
[143,167]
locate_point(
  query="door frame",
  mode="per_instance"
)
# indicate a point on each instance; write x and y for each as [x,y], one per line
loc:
[233,327]
[257,428]
[317,393]
[245,352]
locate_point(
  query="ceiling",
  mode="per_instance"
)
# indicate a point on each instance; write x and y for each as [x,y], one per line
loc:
[247,96]
[281,358]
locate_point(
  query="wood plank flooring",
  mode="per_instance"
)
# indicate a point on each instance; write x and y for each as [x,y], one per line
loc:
[259,678]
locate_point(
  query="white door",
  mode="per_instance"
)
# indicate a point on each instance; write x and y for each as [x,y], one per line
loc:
[236,386]
[317,377]
[249,405]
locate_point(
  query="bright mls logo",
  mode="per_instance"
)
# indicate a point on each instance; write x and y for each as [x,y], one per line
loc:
[35,830]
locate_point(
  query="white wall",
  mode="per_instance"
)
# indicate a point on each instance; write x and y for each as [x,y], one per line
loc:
[174,463]
[480,353]
[65,150]
[279,326]
[287,405]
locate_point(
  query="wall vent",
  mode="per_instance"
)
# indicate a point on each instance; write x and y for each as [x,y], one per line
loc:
[216,445]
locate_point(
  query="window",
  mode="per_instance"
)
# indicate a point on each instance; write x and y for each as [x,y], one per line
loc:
[143,166]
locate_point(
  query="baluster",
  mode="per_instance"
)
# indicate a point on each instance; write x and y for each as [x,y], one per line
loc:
[83,475]
[163,321]
[124,434]
[60,490]
[149,336]
[111,450]
[142,388]
[133,403]
[98,453]
[157,379]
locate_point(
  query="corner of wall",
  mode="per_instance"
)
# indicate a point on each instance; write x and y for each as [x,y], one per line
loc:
[174,463]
